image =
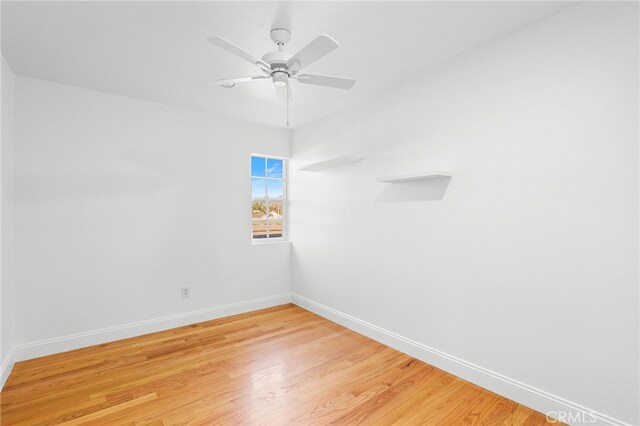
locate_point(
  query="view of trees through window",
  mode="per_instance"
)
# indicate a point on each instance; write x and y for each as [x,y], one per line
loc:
[267,197]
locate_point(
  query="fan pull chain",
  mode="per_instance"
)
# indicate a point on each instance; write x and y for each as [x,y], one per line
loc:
[287,103]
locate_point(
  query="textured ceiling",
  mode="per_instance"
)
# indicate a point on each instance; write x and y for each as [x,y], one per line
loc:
[156,51]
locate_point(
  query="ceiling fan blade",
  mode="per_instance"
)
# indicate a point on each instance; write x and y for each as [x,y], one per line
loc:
[281,94]
[313,51]
[325,80]
[238,51]
[229,81]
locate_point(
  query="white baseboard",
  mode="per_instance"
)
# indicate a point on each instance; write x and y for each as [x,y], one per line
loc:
[7,366]
[104,335]
[524,394]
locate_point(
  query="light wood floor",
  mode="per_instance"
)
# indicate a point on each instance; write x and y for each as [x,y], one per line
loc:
[280,365]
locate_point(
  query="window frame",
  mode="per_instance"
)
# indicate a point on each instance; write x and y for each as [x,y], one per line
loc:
[266,199]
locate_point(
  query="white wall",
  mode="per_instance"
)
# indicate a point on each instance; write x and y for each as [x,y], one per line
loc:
[120,202]
[6,225]
[525,262]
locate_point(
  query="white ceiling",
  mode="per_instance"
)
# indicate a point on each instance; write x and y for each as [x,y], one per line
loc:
[156,51]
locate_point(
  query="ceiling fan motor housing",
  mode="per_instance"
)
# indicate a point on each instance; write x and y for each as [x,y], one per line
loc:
[280,71]
[278,57]
[279,62]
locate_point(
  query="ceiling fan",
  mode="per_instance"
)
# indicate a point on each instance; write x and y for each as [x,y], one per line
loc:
[282,67]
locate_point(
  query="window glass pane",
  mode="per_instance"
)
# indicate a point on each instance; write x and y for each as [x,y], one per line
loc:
[258,187]
[274,188]
[275,228]
[258,166]
[274,168]
[267,197]
[259,228]
[258,210]
[275,210]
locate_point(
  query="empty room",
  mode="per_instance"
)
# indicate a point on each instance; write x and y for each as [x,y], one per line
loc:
[320,212]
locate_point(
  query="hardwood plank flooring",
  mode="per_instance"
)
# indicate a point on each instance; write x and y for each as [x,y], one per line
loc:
[282,365]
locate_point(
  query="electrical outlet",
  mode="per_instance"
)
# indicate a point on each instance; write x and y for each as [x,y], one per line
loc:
[185,292]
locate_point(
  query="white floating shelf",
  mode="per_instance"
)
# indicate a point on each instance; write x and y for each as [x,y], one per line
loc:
[415,176]
[331,162]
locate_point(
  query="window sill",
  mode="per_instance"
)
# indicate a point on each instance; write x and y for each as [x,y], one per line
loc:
[261,242]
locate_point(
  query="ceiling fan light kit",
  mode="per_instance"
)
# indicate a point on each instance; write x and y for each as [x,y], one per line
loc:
[282,67]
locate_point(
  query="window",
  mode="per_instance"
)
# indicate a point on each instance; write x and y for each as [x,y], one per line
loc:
[268,189]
